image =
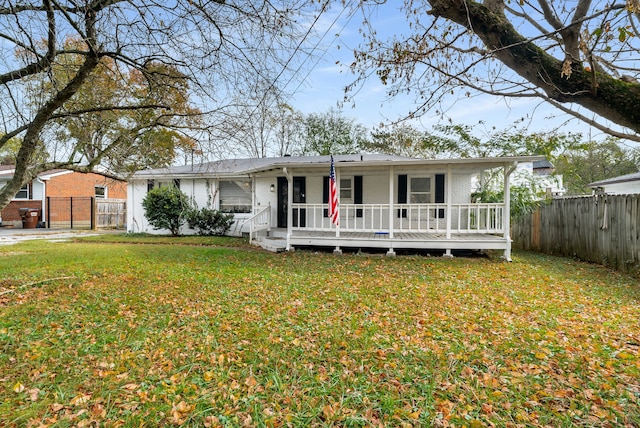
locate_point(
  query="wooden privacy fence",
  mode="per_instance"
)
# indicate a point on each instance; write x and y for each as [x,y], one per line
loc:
[111,213]
[603,229]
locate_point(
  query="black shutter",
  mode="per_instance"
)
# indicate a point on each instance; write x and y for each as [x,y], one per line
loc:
[325,194]
[150,184]
[176,183]
[440,193]
[402,194]
[357,193]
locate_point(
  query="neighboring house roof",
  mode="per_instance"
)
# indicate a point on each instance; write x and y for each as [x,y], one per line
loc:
[47,175]
[543,163]
[7,171]
[235,167]
[620,179]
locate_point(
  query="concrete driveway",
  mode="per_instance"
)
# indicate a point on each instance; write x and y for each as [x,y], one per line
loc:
[10,235]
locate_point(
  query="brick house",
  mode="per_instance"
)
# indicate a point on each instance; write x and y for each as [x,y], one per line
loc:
[56,194]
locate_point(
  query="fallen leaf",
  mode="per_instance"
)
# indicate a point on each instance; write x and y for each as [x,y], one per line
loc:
[33,394]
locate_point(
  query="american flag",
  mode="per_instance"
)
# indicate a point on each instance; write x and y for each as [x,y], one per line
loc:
[333,196]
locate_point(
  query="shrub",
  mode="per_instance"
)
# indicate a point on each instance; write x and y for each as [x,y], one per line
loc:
[166,208]
[209,222]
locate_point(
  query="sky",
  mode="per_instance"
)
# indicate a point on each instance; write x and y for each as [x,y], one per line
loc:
[323,86]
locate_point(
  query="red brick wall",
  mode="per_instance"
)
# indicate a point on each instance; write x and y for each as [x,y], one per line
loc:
[77,184]
[11,213]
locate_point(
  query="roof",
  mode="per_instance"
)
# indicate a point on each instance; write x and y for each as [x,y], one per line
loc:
[543,163]
[619,179]
[9,170]
[235,167]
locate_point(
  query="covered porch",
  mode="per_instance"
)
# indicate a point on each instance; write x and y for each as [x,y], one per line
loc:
[447,227]
[400,204]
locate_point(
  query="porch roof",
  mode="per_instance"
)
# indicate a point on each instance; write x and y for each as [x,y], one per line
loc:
[243,167]
[620,179]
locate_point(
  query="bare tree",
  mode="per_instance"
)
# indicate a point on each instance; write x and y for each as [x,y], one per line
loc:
[289,132]
[219,46]
[579,56]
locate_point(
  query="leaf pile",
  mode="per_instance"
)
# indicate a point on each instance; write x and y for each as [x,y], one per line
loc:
[201,336]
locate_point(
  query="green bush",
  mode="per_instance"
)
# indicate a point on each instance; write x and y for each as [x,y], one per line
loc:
[209,222]
[525,199]
[166,208]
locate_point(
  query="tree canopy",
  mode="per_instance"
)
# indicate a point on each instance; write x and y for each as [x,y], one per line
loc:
[596,160]
[145,127]
[332,133]
[210,46]
[579,56]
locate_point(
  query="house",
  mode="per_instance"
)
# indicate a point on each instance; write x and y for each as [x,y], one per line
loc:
[62,198]
[539,176]
[386,202]
[623,184]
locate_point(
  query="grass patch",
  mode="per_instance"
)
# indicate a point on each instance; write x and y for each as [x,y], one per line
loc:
[202,335]
[145,238]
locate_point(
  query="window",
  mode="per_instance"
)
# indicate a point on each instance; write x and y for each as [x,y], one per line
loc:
[169,183]
[420,190]
[235,196]
[23,193]
[346,190]
[101,192]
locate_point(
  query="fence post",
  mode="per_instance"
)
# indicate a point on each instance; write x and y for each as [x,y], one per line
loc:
[48,212]
[93,213]
[71,211]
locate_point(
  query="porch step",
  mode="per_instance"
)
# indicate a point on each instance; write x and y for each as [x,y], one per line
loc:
[275,245]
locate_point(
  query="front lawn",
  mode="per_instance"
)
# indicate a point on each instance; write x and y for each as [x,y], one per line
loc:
[124,334]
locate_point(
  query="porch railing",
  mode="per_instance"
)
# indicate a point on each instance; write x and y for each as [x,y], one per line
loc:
[261,220]
[465,218]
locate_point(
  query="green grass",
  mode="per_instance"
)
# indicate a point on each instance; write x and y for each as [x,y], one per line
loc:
[205,334]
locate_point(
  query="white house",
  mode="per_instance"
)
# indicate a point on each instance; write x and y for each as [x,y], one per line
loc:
[623,184]
[385,201]
[538,175]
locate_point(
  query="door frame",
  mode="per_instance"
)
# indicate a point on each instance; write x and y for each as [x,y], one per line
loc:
[299,197]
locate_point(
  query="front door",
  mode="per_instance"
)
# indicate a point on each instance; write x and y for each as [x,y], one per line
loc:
[299,197]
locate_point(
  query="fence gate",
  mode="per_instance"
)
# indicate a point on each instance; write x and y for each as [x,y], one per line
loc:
[85,213]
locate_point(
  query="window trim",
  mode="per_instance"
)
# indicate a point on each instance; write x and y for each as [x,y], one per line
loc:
[344,199]
[104,195]
[25,189]
[237,208]
[430,192]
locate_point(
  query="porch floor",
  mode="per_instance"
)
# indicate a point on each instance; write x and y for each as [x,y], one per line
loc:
[404,240]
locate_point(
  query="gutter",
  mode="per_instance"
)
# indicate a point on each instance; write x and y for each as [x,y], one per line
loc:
[44,197]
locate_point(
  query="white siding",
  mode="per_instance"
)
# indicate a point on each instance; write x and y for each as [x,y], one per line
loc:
[38,191]
[622,188]
[375,190]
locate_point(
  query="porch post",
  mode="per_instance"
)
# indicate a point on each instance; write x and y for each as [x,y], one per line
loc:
[508,169]
[449,180]
[289,176]
[391,210]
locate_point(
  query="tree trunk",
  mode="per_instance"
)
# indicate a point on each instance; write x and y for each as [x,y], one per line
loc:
[25,171]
